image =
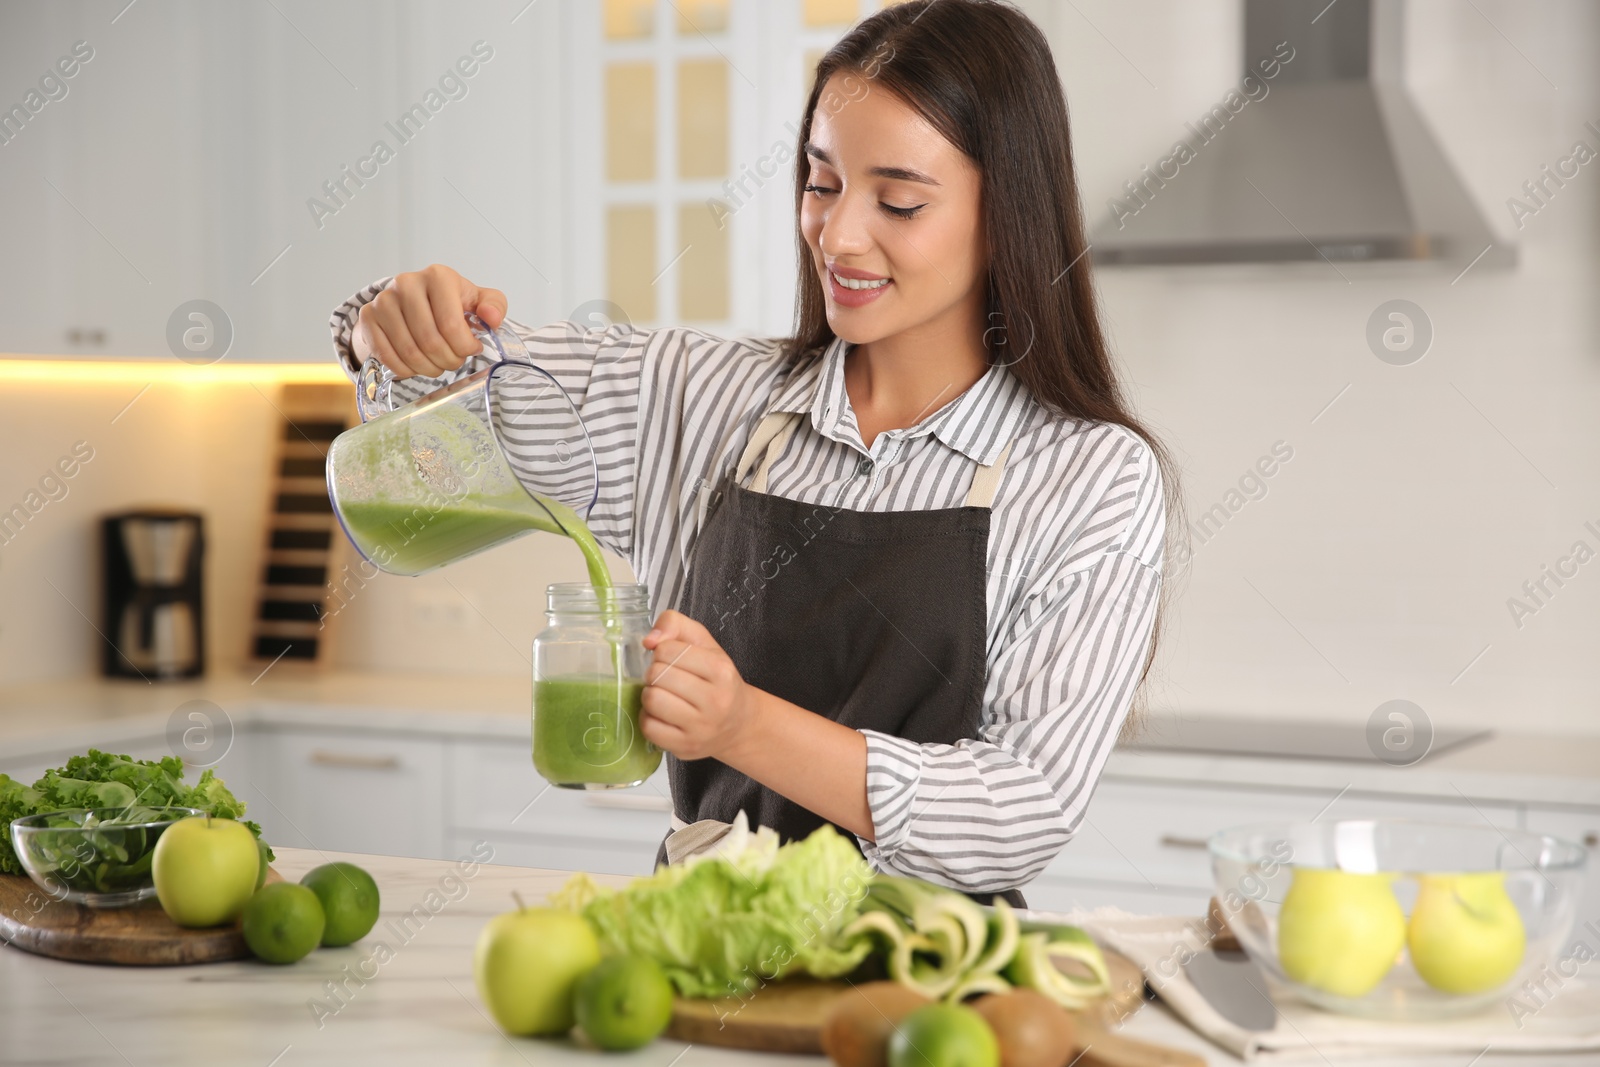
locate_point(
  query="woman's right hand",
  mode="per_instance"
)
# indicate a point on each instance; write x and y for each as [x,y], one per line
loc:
[418,324]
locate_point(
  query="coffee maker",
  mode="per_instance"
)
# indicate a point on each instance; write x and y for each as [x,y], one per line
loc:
[153,622]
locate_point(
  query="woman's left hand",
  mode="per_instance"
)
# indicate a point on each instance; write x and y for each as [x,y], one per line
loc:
[695,704]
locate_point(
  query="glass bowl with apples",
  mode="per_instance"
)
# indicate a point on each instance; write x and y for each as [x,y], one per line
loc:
[1397,919]
[99,857]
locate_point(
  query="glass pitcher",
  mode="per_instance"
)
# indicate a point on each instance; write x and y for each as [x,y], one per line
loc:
[469,466]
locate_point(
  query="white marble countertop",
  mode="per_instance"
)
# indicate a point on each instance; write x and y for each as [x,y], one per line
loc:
[419,1006]
[64,717]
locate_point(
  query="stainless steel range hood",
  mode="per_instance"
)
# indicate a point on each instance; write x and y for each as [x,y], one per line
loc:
[1329,159]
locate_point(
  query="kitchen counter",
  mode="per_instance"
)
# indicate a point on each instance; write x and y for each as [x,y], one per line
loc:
[51,715]
[417,1007]
[63,717]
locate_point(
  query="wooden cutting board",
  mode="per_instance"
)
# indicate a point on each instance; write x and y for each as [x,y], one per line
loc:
[140,935]
[787,1016]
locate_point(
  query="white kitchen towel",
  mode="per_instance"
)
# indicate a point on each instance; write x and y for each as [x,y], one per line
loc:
[691,842]
[1564,1018]
[695,838]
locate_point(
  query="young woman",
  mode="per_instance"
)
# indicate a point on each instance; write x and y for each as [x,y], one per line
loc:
[907,562]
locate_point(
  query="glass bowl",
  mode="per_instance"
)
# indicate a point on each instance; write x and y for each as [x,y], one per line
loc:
[1395,919]
[95,856]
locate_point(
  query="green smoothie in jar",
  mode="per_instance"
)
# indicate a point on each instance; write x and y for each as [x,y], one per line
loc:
[586,732]
[588,680]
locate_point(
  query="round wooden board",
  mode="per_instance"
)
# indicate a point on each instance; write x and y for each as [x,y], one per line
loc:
[787,1016]
[140,935]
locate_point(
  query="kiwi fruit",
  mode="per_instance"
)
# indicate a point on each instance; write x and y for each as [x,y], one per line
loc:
[856,1032]
[1033,1030]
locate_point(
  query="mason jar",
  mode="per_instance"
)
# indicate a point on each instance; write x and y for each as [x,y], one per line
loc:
[588,674]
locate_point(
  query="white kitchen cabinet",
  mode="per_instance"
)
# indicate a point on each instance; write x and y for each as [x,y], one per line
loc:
[183,161]
[1353,805]
[492,785]
[496,795]
[1144,843]
[596,855]
[1139,833]
[1050,893]
[431,792]
[349,791]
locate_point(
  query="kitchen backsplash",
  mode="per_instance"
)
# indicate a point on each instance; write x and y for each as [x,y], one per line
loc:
[209,447]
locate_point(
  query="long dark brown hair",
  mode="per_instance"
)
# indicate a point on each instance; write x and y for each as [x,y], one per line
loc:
[981,73]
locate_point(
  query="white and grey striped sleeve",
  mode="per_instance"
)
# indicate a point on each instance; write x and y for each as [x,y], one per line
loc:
[342,323]
[991,813]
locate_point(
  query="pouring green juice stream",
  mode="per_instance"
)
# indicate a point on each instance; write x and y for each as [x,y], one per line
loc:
[586,727]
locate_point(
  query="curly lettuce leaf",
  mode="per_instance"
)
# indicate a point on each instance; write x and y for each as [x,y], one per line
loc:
[106,780]
[727,924]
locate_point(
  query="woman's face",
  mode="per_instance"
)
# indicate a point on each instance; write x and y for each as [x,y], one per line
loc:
[891,203]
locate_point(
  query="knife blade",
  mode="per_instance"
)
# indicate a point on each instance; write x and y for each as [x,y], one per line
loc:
[1234,987]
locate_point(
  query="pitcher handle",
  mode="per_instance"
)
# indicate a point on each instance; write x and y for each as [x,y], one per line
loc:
[372,389]
[375,382]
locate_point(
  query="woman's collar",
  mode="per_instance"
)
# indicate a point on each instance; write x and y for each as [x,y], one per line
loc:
[978,423]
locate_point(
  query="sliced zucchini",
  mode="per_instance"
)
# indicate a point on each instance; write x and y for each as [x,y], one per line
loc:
[1033,968]
[976,985]
[1001,943]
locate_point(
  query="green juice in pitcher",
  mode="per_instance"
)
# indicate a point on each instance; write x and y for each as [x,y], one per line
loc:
[420,537]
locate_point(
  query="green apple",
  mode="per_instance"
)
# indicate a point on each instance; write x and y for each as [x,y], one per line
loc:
[205,869]
[526,964]
[1465,934]
[1339,931]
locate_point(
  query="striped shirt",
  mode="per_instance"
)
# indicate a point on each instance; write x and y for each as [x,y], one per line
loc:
[1074,559]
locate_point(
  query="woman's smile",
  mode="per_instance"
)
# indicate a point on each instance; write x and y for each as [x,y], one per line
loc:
[854,288]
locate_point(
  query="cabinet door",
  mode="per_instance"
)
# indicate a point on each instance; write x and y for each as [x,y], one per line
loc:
[559,854]
[348,792]
[1051,893]
[1583,828]
[1140,833]
[1153,835]
[496,795]
[230,152]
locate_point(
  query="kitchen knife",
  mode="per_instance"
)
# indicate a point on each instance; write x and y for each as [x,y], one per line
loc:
[1233,986]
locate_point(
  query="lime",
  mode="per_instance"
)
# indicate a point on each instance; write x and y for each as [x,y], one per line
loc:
[282,922]
[349,899]
[943,1035]
[623,1003]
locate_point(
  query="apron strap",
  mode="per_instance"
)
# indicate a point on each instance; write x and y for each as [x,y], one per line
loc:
[985,480]
[772,435]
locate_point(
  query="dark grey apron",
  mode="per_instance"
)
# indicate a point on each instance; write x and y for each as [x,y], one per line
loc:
[877,620]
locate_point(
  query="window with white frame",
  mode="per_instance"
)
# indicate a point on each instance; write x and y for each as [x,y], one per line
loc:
[683,117]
